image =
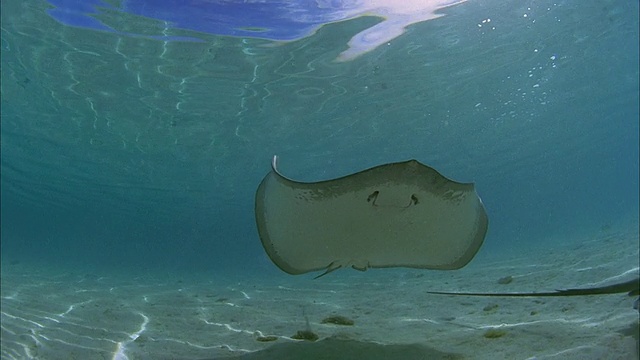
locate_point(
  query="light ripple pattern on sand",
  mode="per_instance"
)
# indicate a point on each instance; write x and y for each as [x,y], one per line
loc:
[58,314]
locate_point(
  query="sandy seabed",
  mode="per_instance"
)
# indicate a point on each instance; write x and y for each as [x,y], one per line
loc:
[53,314]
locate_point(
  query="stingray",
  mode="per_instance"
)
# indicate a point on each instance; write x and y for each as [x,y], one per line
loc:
[402,214]
[631,287]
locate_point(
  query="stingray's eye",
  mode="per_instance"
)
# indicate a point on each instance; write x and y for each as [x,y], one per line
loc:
[414,199]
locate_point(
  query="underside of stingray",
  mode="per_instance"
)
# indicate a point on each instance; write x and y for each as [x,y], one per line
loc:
[403,214]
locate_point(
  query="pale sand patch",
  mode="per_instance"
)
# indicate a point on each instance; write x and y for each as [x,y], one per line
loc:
[55,315]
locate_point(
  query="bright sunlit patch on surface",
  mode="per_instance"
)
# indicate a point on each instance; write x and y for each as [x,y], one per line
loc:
[277,20]
[397,16]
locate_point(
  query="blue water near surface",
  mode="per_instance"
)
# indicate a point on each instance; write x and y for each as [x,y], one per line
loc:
[275,20]
[131,139]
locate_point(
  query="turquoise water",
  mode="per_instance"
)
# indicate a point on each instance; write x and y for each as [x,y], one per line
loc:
[129,152]
[131,157]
